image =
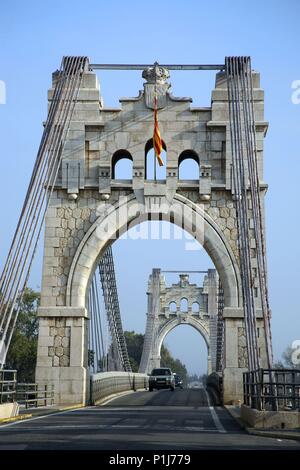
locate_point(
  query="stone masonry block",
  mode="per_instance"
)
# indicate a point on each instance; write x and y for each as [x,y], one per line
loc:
[77,341]
[44,361]
[45,341]
[53,222]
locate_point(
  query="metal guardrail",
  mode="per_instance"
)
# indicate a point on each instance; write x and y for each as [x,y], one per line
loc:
[8,382]
[34,395]
[272,389]
[108,383]
[28,394]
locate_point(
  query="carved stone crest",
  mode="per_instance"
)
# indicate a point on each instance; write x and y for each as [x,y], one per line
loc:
[156,77]
[156,74]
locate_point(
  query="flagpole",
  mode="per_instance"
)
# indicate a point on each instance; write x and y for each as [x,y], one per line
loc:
[155,107]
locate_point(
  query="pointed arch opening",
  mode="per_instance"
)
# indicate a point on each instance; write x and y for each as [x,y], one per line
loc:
[152,169]
[195,358]
[98,237]
[172,307]
[184,305]
[195,307]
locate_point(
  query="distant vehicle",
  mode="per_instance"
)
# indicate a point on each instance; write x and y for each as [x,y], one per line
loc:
[178,381]
[195,385]
[161,378]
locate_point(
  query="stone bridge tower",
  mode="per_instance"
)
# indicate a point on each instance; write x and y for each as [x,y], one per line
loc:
[90,208]
[180,304]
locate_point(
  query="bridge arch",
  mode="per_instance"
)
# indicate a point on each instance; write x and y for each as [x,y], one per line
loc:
[171,324]
[125,214]
[189,321]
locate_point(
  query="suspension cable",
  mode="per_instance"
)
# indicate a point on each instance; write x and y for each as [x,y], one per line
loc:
[16,271]
[247,201]
[111,300]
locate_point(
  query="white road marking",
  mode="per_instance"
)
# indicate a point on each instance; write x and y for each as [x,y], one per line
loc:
[127,410]
[194,428]
[145,408]
[217,422]
[125,426]
[120,395]
[214,416]
[154,427]
[27,420]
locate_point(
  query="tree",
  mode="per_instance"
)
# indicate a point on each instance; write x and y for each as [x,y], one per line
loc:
[288,359]
[23,347]
[174,364]
[135,342]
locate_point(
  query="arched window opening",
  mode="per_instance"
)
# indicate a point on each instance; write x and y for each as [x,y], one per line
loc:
[121,165]
[173,307]
[184,306]
[188,165]
[152,169]
[195,307]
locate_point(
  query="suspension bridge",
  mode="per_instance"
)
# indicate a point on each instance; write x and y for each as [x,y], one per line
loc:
[74,193]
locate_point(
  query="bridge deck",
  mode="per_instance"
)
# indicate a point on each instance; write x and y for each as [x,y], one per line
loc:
[180,420]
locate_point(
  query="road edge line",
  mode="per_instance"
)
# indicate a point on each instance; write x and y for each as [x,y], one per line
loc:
[215,417]
[33,418]
[15,418]
[103,401]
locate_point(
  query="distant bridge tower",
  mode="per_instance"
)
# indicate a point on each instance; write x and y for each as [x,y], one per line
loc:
[180,304]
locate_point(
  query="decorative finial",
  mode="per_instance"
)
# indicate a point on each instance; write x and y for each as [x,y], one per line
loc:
[156,74]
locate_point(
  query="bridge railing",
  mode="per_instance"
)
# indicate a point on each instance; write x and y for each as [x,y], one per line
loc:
[8,383]
[272,389]
[104,384]
[28,394]
[35,395]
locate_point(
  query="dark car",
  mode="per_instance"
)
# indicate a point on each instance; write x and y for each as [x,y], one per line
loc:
[178,381]
[161,377]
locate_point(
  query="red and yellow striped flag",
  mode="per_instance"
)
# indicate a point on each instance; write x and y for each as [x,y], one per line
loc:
[157,142]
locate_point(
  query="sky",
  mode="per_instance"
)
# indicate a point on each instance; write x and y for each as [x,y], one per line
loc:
[35,35]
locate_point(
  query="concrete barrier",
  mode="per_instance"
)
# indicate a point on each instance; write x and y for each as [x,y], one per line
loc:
[270,419]
[9,410]
[105,384]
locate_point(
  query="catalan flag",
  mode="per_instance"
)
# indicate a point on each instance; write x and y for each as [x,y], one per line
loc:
[157,142]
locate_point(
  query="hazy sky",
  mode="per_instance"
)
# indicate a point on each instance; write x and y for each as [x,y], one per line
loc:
[35,35]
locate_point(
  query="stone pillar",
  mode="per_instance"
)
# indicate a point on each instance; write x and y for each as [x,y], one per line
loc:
[235,355]
[154,362]
[62,353]
[212,290]
[150,357]
[209,367]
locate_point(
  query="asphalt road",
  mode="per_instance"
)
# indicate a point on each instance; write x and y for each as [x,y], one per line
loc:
[160,420]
